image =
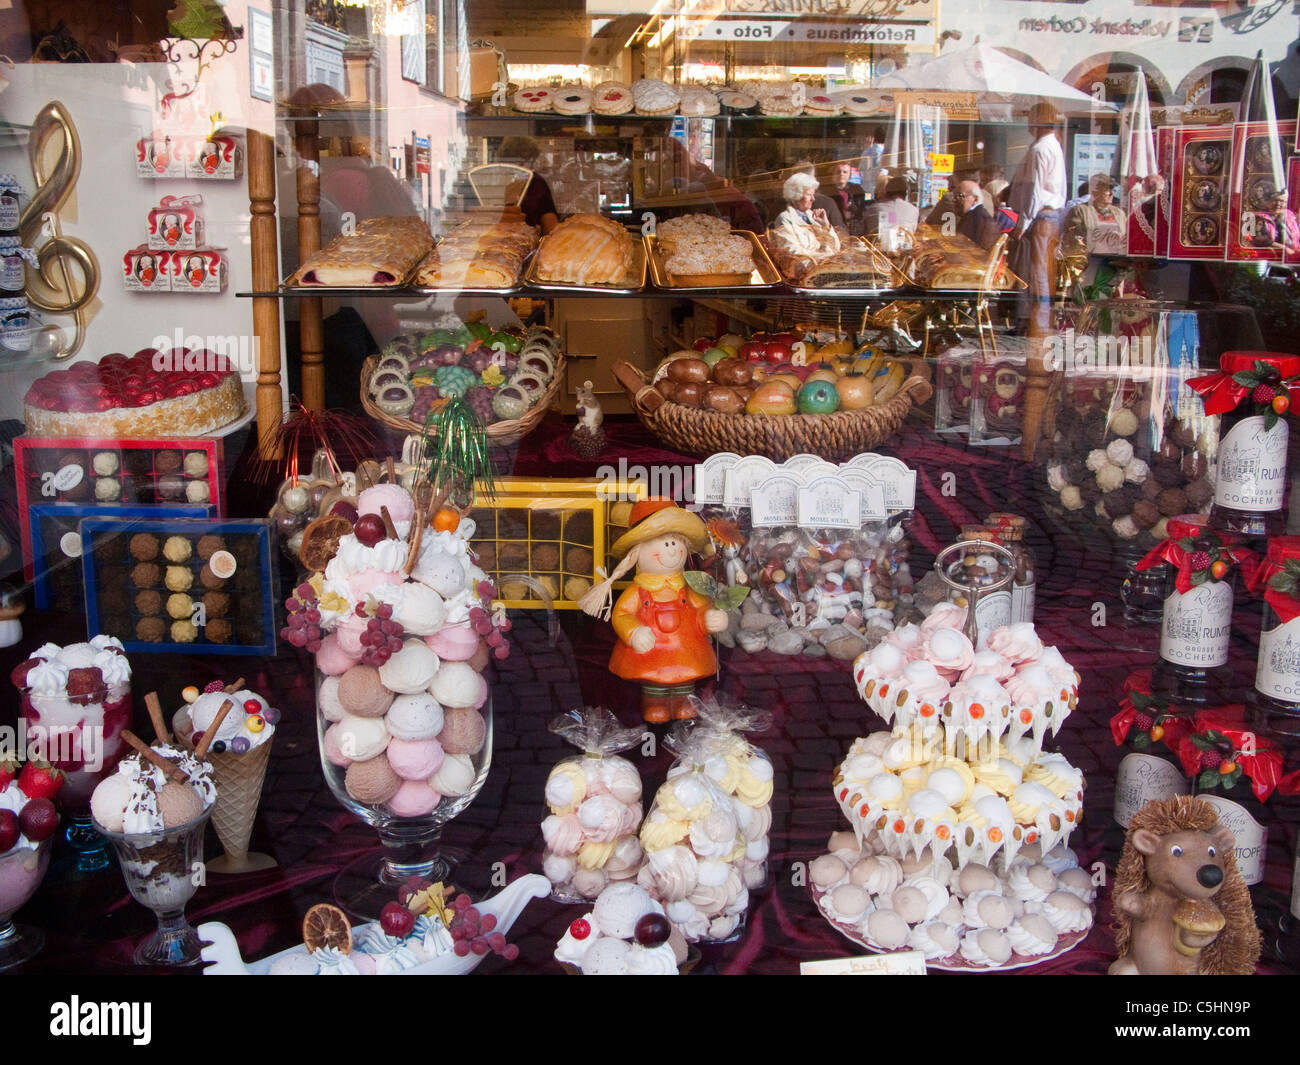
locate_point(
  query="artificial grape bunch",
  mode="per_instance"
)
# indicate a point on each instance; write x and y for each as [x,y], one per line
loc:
[382,638]
[302,626]
[488,625]
[474,932]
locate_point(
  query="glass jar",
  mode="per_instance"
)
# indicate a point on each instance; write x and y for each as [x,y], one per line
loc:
[1277,667]
[978,567]
[1251,482]
[1196,623]
[11,193]
[1149,728]
[1009,530]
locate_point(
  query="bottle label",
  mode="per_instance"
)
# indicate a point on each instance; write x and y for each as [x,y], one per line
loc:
[992,612]
[1144,778]
[1022,602]
[1277,671]
[1251,838]
[1197,625]
[1252,466]
[12,277]
[9,213]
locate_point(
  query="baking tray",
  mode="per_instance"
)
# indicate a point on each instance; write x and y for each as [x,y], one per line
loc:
[764,275]
[633,283]
[897,280]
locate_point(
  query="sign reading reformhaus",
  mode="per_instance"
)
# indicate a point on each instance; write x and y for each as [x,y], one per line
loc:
[807,31]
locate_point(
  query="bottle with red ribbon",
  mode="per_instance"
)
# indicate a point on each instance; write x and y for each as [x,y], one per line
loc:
[1196,626]
[1253,390]
[1150,729]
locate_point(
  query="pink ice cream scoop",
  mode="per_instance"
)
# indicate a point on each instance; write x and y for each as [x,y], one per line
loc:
[330,745]
[563,835]
[414,799]
[454,643]
[348,637]
[332,660]
[415,759]
[401,507]
[363,583]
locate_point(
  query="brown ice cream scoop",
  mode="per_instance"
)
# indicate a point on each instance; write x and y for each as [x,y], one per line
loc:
[1200,917]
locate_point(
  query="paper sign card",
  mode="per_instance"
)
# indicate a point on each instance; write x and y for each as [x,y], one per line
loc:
[742,477]
[904,963]
[828,503]
[775,501]
[711,477]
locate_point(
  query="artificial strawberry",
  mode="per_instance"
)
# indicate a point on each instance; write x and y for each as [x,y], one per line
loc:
[39,780]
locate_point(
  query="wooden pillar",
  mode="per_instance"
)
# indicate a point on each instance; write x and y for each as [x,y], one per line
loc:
[264,246]
[311,339]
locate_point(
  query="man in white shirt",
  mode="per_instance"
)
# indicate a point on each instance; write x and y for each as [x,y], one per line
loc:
[1038,195]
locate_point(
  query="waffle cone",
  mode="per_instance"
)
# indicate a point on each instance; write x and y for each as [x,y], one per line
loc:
[238,778]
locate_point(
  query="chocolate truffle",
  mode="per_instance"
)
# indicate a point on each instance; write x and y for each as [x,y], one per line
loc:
[1168,474]
[197,492]
[1145,514]
[170,486]
[144,547]
[577,560]
[108,489]
[209,579]
[137,460]
[184,631]
[177,549]
[487,557]
[180,605]
[209,544]
[148,602]
[167,461]
[1076,471]
[216,604]
[512,556]
[104,463]
[578,527]
[1151,488]
[1194,465]
[196,464]
[1184,436]
[113,597]
[546,556]
[218,631]
[146,575]
[1117,503]
[78,493]
[1089,490]
[1172,501]
[1199,493]
[150,630]
[179,578]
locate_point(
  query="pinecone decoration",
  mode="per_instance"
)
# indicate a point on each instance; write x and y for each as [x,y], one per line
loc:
[588,438]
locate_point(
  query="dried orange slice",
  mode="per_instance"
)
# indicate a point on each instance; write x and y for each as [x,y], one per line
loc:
[326,926]
[320,540]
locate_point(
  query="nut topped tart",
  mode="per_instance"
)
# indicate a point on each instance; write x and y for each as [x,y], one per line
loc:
[130,396]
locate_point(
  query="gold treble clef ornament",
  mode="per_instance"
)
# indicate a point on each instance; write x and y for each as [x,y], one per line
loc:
[66,277]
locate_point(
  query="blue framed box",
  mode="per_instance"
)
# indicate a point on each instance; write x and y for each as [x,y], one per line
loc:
[56,575]
[181,605]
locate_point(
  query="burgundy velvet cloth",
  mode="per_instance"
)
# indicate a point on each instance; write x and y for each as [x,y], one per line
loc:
[92,925]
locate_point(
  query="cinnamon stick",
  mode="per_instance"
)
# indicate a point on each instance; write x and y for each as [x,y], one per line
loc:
[156,716]
[389,527]
[417,536]
[236,686]
[173,772]
[392,470]
[211,734]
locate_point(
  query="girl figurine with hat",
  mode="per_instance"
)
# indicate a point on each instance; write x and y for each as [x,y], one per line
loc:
[663,625]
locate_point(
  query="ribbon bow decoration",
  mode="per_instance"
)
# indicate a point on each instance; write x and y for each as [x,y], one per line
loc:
[1225,731]
[1179,554]
[1222,391]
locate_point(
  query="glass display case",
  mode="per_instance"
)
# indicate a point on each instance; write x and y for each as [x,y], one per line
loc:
[494,310]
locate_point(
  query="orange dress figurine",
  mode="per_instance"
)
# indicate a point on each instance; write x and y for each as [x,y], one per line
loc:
[663,626]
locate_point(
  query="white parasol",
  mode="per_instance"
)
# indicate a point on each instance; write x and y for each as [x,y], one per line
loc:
[994,76]
[1139,170]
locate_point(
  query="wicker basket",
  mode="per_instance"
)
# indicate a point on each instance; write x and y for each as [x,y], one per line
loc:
[498,433]
[835,437]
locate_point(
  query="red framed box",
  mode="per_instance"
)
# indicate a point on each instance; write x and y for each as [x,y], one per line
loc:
[1292,254]
[46,471]
[1253,144]
[1202,165]
[200,270]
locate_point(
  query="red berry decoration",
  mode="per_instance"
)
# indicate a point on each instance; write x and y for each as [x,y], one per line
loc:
[1263,394]
[1200,560]
[252,706]
[8,830]
[1143,721]
[213,686]
[1211,759]
[1227,767]
[396,920]
[1281,403]
[40,781]
[653,929]
[580,929]
[1219,570]
[38,820]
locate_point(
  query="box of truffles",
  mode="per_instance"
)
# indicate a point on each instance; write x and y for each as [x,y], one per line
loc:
[186,586]
[147,473]
[54,531]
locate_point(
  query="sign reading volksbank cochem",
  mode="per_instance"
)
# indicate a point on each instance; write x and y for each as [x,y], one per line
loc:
[805,31]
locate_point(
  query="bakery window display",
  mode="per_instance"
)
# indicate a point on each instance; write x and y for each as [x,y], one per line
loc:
[701,251]
[960,819]
[588,251]
[148,395]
